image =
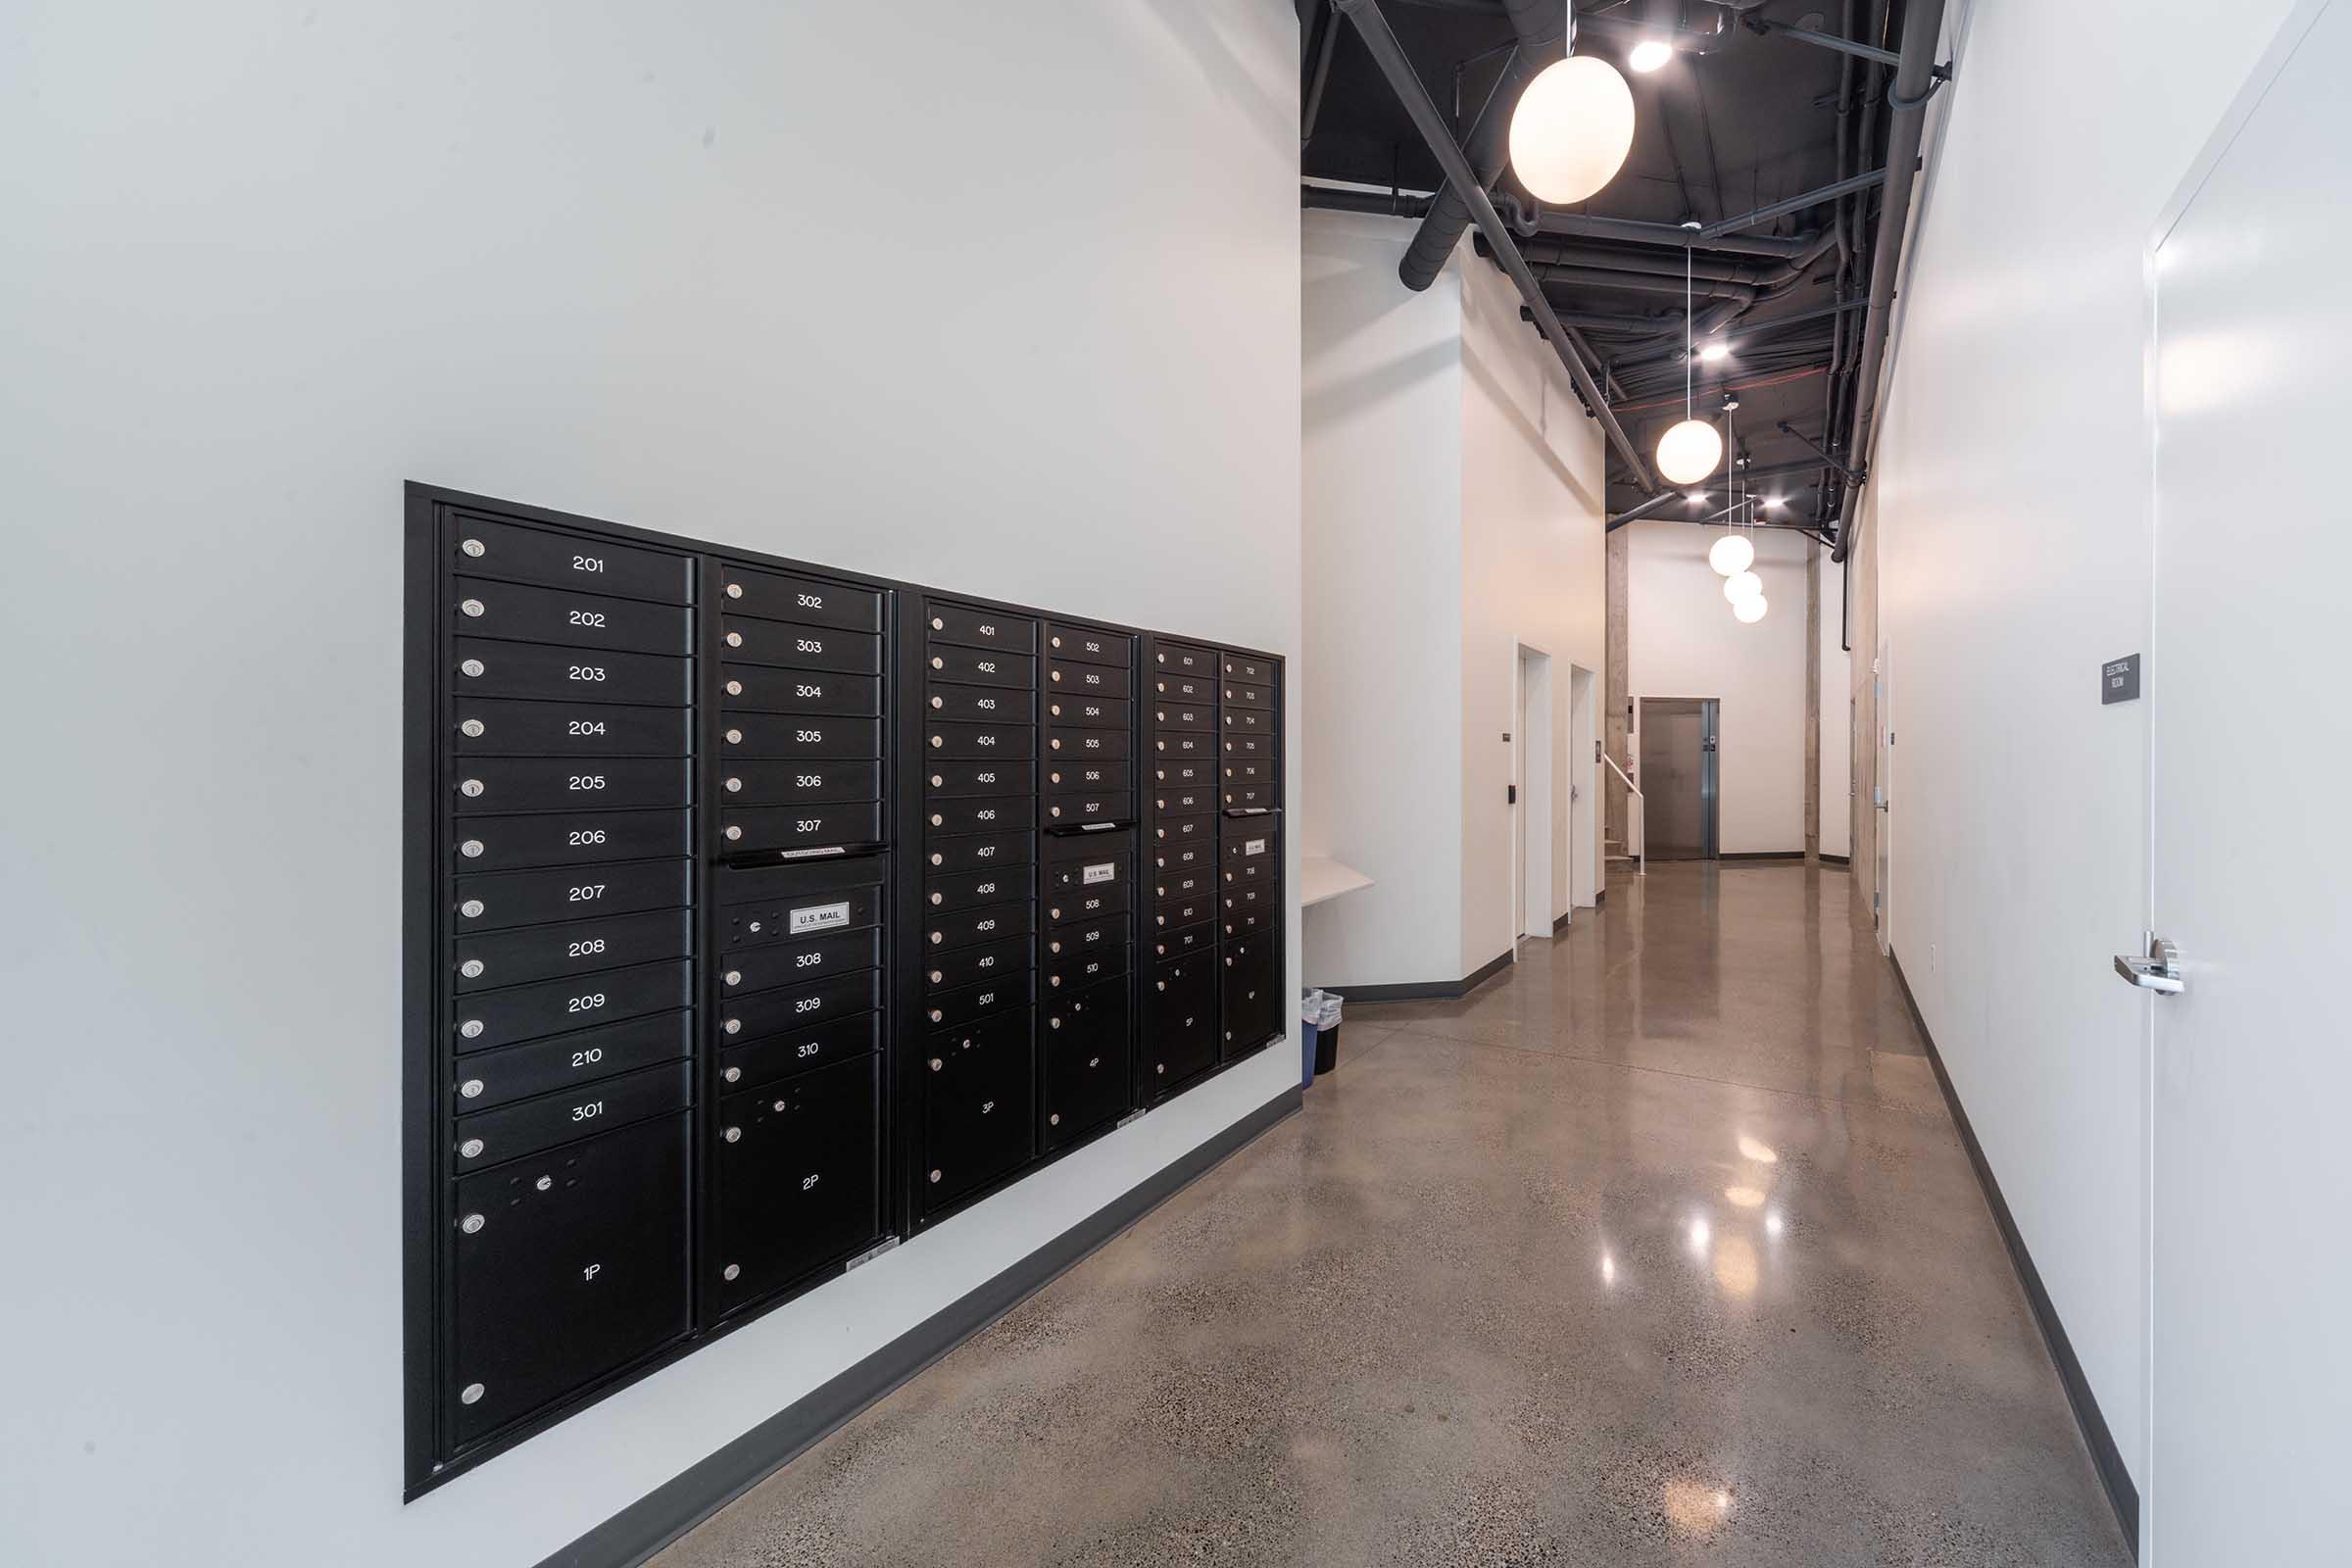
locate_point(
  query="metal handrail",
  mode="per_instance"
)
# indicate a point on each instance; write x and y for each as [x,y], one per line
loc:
[1636,827]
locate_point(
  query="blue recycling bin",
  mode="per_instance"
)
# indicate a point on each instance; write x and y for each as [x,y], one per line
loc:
[1306,1054]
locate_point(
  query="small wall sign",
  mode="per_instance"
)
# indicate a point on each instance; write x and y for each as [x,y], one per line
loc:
[2119,680]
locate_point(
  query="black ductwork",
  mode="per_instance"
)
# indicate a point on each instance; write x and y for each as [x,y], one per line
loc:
[1541,26]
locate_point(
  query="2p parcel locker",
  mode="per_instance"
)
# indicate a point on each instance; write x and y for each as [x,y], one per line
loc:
[760,915]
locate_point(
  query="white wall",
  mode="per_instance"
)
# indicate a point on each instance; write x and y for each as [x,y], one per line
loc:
[1381,435]
[1532,574]
[2011,476]
[1836,715]
[922,292]
[1680,641]
[1452,513]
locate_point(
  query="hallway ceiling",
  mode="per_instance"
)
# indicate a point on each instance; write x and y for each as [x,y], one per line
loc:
[1741,117]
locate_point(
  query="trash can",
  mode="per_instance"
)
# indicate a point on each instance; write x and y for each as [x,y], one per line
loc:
[1310,1008]
[1327,1031]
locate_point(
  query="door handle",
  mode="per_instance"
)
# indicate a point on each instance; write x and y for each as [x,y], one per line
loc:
[2159,971]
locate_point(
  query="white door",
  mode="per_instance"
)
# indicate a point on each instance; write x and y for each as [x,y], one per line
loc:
[2250,760]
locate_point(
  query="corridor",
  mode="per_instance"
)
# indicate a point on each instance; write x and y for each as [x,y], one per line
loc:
[1660,1249]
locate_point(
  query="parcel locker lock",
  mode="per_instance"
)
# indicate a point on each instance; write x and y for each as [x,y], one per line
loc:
[473,548]
[472,788]
[471,727]
[471,1148]
[471,1394]
[733,1026]
[471,1089]
[472,968]
[734,832]
[472,606]
[734,590]
[732,1074]
[734,737]
[733,1270]
[734,639]
[734,1135]
[935,1176]
[472,908]
[471,1028]
[734,688]
[545,1183]
[734,784]
[472,666]
[1053,1121]
[472,848]
[733,977]
[472,1224]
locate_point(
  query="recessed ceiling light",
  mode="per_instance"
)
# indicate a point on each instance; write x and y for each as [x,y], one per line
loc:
[1714,352]
[1649,54]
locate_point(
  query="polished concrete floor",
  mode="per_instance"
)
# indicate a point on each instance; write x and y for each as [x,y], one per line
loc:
[1660,1249]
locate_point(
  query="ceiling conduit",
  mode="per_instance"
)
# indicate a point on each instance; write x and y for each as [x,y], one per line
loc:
[1541,26]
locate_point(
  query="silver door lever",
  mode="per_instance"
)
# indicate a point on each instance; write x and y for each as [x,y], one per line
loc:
[2159,971]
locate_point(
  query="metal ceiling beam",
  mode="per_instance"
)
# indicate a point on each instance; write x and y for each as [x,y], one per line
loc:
[1373,27]
[1826,40]
[1852,475]
[1795,204]
[1578,226]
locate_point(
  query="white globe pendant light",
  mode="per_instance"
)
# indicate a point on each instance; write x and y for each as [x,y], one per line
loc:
[1688,452]
[1572,129]
[1742,585]
[1730,554]
[1748,612]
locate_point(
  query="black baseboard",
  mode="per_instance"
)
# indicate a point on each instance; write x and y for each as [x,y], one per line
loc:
[1761,854]
[1561,924]
[1600,897]
[2105,1457]
[1826,858]
[1436,990]
[686,1499]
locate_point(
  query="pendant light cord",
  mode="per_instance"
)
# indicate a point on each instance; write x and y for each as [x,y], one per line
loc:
[1686,329]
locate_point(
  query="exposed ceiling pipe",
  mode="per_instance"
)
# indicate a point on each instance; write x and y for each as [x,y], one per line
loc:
[1824,41]
[1379,203]
[1320,77]
[1794,204]
[1570,253]
[1373,27]
[1578,226]
[1915,79]
[1541,26]
[1851,475]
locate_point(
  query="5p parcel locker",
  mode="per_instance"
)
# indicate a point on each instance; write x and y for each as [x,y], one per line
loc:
[760,915]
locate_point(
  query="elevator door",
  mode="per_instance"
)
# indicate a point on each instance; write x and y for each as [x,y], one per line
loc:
[1678,777]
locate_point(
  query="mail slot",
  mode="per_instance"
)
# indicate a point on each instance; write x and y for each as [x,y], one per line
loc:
[1094,711]
[1198,689]
[1084,776]
[797,1180]
[1243,667]
[804,601]
[787,904]
[753,735]
[808,782]
[947,929]
[566,1062]
[1182,660]
[502,727]
[949,1010]
[767,1012]
[944,740]
[1241,694]
[592,1238]
[1077,970]
[981,628]
[517,613]
[1253,797]
[796,1051]
[1184,801]
[1092,647]
[1177,773]
[954,967]
[988,705]
[970,890]
[1249,720]
[1087,935]
[569,838]
[750,969]
[752,641]
[979,667]
[1247,747]
[1083,745]
[976,852]
[486,1019]
[977,1119]
[486,669]
[555,784]
[1183,715]
[482,548]
[1184,908]
[1179,829]
[945,780]
[743,829]
[1085,904]
[489,959]
[528,1126]
[1068,811]
[495,901]
[984,816]
[1179,745]
[1175,944]
[761,689]
[1099,680]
